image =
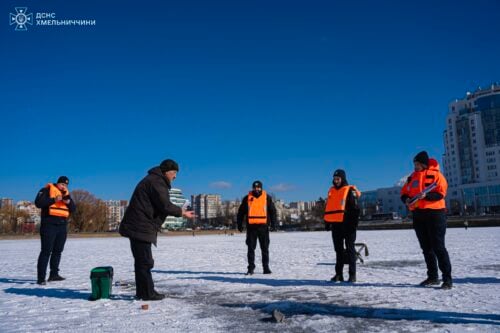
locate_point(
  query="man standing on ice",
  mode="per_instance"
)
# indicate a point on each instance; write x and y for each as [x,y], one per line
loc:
[149,206]
[429,216]
[56,205]
[257,208]
[342,217]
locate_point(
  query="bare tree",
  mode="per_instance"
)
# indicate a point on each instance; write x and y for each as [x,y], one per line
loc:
[90,213]
[318,211]
[12,220]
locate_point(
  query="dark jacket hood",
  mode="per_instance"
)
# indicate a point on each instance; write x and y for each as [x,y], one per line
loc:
[340,173]
[156,171]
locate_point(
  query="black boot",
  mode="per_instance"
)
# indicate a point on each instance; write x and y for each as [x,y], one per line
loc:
[337,278]
[250,271]
[154,297]
[429,282]
[55,277]
[267,270]
[352,278]
[448,284]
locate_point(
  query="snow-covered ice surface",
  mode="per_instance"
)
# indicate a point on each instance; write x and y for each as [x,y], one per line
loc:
[208,292]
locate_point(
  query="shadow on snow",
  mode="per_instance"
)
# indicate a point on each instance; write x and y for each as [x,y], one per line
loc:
[62,293]
[313,308]
[47,292]
[295,283]
[195,272]
[477,280]
[17,281]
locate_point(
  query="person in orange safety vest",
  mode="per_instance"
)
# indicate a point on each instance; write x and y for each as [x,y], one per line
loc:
[56,206]
[429,216]
[342,217]
[259,212]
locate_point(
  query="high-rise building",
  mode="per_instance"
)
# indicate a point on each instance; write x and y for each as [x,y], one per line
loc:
[471,162]
[178,199]
[6,202]
[299,206]
[206,206]
[114,213]
[281,211]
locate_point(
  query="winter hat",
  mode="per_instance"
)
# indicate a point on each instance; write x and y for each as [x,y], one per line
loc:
[63,180]
[257,183]
[169,165]
[422,157]
[339,173]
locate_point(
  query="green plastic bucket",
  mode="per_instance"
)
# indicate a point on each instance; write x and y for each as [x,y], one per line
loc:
[101,281]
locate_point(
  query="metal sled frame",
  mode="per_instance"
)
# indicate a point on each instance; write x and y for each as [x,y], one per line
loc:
[358,247]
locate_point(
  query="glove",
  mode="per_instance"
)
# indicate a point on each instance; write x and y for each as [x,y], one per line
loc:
[273,228]
[328,227]
[240,228]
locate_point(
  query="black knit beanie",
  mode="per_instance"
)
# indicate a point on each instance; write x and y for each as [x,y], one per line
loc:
[63,180]
[169,165]
[422,157]
[257,183]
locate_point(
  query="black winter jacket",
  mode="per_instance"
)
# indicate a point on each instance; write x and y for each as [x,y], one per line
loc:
[44,201]
[149,207]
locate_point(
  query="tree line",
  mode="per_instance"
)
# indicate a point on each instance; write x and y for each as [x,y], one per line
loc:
[90,216]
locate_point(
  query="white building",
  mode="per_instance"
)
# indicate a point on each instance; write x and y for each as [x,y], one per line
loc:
[31,209]
[178,199]
[471,162]
[206,206]
[300,206]
[114,213]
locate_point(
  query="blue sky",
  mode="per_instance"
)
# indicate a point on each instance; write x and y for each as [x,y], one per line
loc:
[281,91]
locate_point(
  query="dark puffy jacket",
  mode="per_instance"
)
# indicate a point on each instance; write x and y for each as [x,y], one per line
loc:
[149,207]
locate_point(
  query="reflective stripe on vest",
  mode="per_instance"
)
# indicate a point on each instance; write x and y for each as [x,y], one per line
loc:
[58,208]
[335,203]
[419,180]
[257,208]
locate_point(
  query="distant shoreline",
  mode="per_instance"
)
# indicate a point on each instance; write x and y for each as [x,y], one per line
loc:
[364,225]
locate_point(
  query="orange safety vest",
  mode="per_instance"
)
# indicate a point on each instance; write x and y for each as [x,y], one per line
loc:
[335,203]
[419,180]
[58,208]
[257,208]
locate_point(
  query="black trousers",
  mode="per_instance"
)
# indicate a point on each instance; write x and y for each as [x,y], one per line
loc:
[343,234]
[430,227]
[53,238]
[143,263]
[261,233]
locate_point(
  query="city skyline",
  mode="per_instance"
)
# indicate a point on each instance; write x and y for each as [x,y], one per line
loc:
[281,92]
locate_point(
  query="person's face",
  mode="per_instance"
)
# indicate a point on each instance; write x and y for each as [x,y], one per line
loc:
[257,190]
[418,166]
[337,181]
[171,175]
[63,187]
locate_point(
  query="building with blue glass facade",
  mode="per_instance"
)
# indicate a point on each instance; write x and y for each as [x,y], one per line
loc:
[471,162]
[382,201]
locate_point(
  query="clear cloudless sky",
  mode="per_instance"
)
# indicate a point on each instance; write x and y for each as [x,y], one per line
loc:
[281,91]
